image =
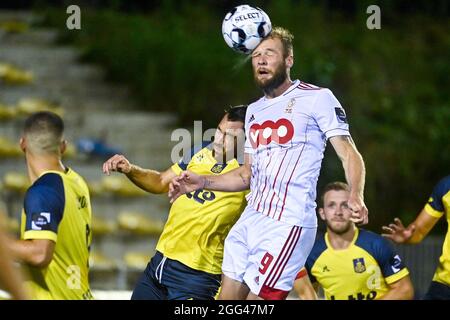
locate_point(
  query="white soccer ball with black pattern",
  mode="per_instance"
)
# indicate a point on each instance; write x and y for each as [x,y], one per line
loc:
[244,27]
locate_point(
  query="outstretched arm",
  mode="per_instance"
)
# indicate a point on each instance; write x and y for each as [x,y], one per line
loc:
[149,180]
[355,174]
[414,233]
[235,180]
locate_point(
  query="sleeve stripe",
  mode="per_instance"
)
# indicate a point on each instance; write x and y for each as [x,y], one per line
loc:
[397,276]
[40,235]
[432,212]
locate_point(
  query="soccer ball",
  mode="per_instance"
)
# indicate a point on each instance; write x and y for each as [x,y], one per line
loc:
[244,27]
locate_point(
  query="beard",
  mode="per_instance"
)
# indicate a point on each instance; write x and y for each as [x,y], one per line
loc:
[279,76]
[341,229]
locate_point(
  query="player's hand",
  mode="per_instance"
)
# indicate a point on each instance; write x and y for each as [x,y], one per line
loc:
[397,232]
[360,214]
[117,163]
[186,182]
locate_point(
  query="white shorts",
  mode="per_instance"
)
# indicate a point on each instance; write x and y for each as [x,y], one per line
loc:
[266,254]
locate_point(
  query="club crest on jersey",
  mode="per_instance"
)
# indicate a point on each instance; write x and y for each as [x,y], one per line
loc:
[289,106]
[217,168]
[359,265]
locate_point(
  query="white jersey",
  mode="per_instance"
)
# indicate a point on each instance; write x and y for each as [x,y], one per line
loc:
[286,137]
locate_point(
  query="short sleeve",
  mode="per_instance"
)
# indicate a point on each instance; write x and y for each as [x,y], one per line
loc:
[44,207]
[392,266]
[435,206]
[330,115]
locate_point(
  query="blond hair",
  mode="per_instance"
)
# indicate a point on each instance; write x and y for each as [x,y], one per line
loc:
[286,38]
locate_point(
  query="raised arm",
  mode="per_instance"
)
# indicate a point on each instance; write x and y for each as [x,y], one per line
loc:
[235,180]
[149,180]
[355,173]
[414,233]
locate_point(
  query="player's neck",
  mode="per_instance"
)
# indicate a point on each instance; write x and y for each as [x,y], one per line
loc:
[37,164]
[341,241]
[278,91]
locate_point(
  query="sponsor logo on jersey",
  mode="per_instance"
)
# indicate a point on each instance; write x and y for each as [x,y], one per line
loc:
[280,132]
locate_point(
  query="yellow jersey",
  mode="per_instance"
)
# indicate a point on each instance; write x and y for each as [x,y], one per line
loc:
[57,207]
[437,206]
[199,221]
[362,271]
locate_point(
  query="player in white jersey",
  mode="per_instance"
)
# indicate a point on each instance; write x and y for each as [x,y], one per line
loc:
[286,132]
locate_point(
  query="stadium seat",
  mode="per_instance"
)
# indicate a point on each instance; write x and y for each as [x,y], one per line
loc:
[15,181]
[101,226]
[7,112]
[9,148]
[14,26]
[140,224]
[28,106]
[136,260]
[14,75]
[121,186]
[100,262]
[13,225]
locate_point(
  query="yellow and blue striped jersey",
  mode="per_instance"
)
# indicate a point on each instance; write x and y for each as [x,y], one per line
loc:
[362,271]
[437,206]
[57,207]
[199,221]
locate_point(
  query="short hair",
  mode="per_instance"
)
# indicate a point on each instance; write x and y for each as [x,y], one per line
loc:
[286,38]
[336,186]
[44,131]
[236,113]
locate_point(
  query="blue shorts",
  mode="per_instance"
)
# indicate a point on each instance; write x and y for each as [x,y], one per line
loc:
[437,291]
[167,279]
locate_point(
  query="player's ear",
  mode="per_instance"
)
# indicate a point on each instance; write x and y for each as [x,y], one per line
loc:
[322,214]
[290,61]
[63,146]
[22,144]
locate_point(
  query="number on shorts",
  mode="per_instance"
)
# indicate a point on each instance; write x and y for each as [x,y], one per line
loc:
[265,262]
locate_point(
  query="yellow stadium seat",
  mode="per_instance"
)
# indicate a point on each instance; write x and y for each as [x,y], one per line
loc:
[13,225]
[15,181]
[121,186]
[101,226]
[9,148]
[27,106]
[14,75]
[14,26]
[136,260]
[100,262]
[139,223]
[7,112]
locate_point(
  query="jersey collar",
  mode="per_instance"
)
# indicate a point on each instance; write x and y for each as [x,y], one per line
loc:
[329,246]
